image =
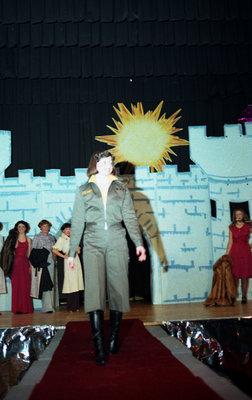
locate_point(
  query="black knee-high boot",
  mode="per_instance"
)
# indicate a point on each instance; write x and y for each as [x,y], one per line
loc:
[115,320]
[97,328]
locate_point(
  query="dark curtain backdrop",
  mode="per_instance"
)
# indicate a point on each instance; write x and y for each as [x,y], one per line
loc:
[65,63]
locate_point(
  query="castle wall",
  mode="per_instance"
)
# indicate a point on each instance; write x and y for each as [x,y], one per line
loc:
[226,160]
[180,207]
[31,199]
[173,209]
[223,192]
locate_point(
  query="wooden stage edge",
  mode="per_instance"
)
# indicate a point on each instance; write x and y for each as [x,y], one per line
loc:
[150,314]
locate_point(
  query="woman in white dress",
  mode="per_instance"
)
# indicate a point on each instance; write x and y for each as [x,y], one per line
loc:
[73,278]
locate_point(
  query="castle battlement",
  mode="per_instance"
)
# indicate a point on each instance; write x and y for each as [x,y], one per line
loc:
[228,153]
[51,181]
[5,150]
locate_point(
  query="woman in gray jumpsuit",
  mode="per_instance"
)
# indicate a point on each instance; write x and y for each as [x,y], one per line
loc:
[100,207]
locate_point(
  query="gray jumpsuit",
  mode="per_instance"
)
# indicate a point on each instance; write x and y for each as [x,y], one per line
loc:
[105,252]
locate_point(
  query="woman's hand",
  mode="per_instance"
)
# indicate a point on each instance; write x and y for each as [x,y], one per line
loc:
[70,262]
[140,252]
[58,253]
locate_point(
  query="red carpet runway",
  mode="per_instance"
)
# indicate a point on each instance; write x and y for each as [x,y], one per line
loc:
[143,369]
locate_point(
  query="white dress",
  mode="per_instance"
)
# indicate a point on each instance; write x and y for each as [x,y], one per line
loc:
[73,278]
[2,277]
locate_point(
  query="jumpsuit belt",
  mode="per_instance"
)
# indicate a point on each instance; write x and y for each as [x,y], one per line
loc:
[91,227]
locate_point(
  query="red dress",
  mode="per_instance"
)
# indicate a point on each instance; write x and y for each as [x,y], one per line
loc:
[21,281]
[240,252]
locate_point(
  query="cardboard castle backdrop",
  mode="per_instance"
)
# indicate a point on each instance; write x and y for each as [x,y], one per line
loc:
[173,208]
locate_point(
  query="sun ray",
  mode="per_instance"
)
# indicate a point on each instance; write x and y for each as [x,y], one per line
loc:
[157,111]
[143,138]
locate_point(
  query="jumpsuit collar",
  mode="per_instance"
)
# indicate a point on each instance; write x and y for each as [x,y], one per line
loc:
[104,194]
[111,178]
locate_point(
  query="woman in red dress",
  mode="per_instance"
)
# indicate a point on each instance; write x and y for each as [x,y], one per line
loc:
[239,249]
[21,301]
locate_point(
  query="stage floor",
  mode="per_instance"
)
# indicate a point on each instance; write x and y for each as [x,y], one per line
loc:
[148,313]
[151,315]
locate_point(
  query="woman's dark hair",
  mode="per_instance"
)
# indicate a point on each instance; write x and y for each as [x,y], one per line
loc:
[95,158]
[44,222]
[244,218]
[27,226]
[1,226]
[65,226]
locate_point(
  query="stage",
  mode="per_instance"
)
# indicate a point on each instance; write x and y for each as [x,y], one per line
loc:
[150,314]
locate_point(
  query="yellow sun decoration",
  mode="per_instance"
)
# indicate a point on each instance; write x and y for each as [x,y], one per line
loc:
[143,139]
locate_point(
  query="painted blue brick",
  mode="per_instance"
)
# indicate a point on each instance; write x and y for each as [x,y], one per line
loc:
[175,204]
